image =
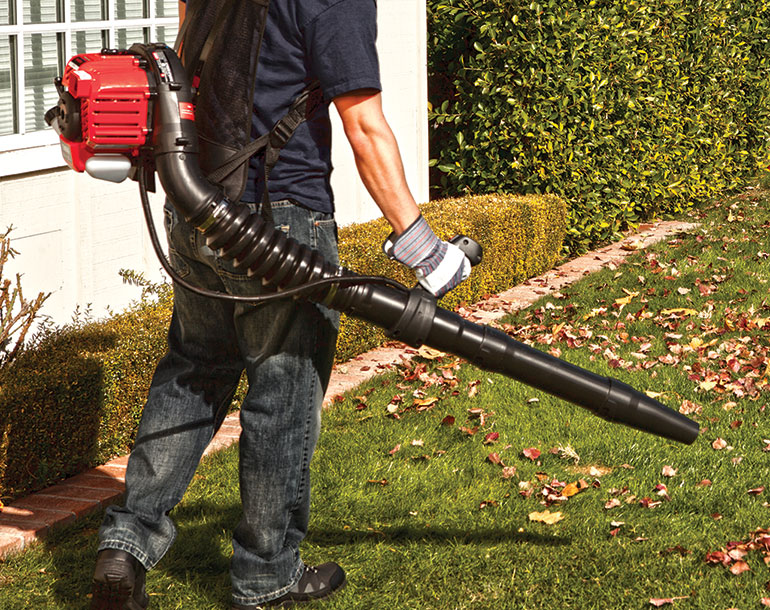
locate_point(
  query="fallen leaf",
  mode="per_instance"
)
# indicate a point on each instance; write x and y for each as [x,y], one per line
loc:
[487,503]
[679,311]
[658,602]
[495,458]
[425,403]
[382,482]
[739,567]
[649,503]
[719,443]
[765,601]
[532,453]
[574,488]
[718,557]
[668,471]
[688,407]
[396,448]
[449,420]
[546,517]
[429,353]
[612,503]
[756,491]
[418,442]
[509,472]
[473,388]
[490,438]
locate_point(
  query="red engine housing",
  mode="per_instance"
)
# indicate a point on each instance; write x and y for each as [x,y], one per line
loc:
[114,95]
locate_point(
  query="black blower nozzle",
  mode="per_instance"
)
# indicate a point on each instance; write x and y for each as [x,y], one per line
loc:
[411,316]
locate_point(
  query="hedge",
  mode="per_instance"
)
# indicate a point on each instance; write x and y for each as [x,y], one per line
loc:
[74,399]
[626,109]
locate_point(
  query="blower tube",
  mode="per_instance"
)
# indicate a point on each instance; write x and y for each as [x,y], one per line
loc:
[408,315]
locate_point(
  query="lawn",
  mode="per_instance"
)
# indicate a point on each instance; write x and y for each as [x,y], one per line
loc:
[440,486]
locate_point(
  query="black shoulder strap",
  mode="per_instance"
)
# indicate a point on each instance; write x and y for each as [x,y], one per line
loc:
[273,142]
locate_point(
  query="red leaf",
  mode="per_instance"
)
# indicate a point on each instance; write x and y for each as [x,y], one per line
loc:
[449,420]
[718,557]
[532,453]
[490,438]
[494,458]
[396,448]
[756,491]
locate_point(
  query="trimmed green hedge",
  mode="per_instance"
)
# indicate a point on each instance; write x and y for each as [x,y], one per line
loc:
[626,109]
[75,399]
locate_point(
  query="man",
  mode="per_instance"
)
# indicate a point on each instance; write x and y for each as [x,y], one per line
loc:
[286,348]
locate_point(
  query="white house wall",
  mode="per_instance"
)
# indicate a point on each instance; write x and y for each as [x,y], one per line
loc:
[74,233]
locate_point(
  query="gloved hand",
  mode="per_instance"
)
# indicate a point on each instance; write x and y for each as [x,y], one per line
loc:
[438,265]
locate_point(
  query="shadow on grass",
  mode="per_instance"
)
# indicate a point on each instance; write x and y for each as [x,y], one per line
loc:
[433,535]
[195,571]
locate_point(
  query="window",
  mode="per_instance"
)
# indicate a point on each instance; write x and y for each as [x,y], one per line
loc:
[37,37]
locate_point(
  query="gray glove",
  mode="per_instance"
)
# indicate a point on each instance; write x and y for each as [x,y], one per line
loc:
[438,265]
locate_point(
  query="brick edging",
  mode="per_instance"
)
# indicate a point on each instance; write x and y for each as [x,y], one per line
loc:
[29,518]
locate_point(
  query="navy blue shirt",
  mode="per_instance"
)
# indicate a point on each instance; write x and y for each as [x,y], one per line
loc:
[329,40]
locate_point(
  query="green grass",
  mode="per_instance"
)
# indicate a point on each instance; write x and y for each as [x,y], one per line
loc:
[435,525]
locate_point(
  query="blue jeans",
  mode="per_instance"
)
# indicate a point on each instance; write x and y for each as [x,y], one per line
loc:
[286,349]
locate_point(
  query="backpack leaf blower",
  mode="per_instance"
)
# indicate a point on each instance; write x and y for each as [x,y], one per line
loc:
[131,113]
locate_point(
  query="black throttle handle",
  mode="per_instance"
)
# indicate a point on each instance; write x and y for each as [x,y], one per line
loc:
[471,248]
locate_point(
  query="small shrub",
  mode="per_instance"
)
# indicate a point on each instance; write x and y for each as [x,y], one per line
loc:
[17,313]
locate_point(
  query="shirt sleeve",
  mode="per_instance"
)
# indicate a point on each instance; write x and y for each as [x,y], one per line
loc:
[341,45]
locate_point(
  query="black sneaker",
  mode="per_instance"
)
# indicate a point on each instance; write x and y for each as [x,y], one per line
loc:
[317,582]
[118,582]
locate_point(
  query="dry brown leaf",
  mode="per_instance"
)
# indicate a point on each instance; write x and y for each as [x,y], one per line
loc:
[546,517]
[719,443]
[668,471]
[429,353]
[662,601]
[739,567]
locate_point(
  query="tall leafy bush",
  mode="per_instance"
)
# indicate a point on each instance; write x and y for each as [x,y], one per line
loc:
[625,109]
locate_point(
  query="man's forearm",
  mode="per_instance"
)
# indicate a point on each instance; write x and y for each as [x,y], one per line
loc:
[377,158]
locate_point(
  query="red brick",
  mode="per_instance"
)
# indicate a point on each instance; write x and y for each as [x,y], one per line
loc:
[13,539]
[10,544]
[230,429]
[113,471]
[95,482]
[121,461]
[36,519]
[78,507]
[103,496]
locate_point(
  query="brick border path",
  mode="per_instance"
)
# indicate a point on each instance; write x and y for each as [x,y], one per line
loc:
[29,518]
